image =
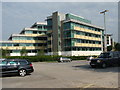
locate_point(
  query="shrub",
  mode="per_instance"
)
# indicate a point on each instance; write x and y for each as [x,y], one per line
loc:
[78,57]
[34,58]
[45,58]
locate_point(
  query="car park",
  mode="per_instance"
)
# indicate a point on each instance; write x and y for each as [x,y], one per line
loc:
[20,67]
[64,59]
[105,59]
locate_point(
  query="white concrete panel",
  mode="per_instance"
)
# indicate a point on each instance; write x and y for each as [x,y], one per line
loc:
[67,53]
[31,54]
[80,53]
[18,54]
[15,54]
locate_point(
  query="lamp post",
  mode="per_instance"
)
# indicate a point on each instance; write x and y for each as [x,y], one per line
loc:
[105,35]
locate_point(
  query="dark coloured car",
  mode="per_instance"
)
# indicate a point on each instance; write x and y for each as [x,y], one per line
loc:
[106,59]
[16,66]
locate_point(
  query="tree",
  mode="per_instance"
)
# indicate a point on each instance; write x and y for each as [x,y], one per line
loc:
[109,48]
[5,52]
[23,52]
[1,53]
[40,52]
[117,47]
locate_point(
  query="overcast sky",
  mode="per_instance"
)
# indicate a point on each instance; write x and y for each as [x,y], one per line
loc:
[16,16]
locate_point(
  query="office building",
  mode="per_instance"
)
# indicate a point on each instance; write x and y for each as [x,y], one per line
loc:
[33,39]
[63,34]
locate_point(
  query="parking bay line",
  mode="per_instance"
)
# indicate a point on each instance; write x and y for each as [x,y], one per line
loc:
[87,86]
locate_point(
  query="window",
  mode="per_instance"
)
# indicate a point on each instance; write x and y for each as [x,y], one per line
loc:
[22,44]
[74,48]
[34,51]
[78,41]
[99,42]
[29,32]
[3,44]
[12,63]
[22,62]
[86,41]
[67,26]
[9,44]
[34,26]
[3,63]
[29,51]
[45,27]
[86,34]
[83,41]
[93,42]
[59,43]
[15,51]
[67,34]
[34,32]
[40,27]
[15,38]
[29,38]
[16,44]
[90,42]
[49,50]
[29,44]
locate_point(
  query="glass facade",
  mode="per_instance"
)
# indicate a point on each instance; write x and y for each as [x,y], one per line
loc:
[33,38]
[82,49]
[71,16]
[28,38]
[84,37]
[49,24]
[40,27]
[70,36]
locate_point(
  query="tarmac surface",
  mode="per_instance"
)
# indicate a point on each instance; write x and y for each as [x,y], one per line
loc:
[75,74]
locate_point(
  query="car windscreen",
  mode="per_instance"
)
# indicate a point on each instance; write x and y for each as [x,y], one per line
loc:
[104,55]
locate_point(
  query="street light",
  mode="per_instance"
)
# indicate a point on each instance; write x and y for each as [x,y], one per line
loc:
[105,38]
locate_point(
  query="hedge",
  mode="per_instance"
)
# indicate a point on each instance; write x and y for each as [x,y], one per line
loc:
[45,58]
[34,58]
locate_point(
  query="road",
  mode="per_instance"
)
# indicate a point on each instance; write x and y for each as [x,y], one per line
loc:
[75,74]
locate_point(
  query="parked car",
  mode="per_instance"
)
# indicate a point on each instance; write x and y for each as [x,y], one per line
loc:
[90,57]
[1,59]
[64,59]
[21,67]
[106,59]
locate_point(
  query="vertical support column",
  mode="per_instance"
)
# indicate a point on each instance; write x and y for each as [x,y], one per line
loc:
[55,33]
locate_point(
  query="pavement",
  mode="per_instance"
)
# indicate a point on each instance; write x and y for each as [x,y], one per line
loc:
[75,74]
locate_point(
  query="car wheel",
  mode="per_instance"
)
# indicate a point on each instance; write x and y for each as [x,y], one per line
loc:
[22,72]
[104,65]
